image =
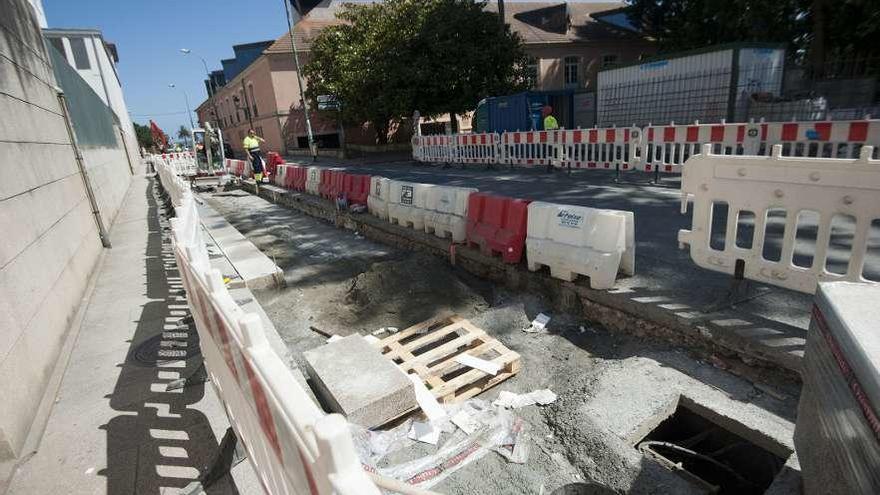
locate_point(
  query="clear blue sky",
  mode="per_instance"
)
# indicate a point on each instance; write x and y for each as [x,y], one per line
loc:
[149,35]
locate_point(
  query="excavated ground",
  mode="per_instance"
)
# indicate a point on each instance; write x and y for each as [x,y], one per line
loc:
[610,386]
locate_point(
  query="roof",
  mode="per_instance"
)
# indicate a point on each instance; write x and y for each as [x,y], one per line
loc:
[536,23]
[304,33]
[539,22]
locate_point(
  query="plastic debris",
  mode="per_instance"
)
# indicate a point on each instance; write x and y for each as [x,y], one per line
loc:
[425,432]
[539,324]
[429,405]
[515,401]
[487,367]
[465,421]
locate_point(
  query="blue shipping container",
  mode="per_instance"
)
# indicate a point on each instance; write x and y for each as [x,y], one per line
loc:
[522,111]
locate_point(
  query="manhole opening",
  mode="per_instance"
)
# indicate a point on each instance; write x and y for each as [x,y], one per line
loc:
[714,452]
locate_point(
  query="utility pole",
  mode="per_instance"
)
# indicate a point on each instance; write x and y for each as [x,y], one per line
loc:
[302,98]
[501,13]
[186,100]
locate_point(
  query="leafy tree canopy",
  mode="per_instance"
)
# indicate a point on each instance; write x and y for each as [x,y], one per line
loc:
[818,30]
[144,136]
[391,58]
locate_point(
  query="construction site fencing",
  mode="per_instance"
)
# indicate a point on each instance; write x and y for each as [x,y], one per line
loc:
[666,148]
[294,447]
[239,168]
[756,216]
[653,148]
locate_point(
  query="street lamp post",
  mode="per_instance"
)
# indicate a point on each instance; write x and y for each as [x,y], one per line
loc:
[187,51]
[302,98]
[186,100]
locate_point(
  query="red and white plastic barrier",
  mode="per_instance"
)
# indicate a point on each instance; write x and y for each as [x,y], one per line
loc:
[476,148]
[294,447]
[655,148]
[667,148]
[614,148]
[529,148]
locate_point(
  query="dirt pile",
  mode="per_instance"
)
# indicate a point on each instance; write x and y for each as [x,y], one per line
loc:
[399,293]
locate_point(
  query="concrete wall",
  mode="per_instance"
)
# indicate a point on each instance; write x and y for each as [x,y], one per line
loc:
[51,244]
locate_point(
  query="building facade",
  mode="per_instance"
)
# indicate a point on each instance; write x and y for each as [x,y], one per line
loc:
[95,60]
[568,44]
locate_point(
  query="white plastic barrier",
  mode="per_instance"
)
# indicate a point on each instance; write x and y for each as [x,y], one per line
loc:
[835,198]
[577,240]
[615,148]
[313,181]
[476,148]
[294,447]
[280,174]
[529,148]
[406,203]
[174,185]
[446,214]
[239,168]
[377,201]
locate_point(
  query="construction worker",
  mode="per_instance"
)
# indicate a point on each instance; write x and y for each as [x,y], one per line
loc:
[550,124]
[251,144]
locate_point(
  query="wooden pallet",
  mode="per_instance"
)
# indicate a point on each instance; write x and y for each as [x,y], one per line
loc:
[429,348]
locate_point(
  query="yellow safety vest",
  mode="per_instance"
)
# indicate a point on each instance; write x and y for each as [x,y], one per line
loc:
[550,123]
[251,142]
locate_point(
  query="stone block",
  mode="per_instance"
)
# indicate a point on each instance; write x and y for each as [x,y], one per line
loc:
[353,378]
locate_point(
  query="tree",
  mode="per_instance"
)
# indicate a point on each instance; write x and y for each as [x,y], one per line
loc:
[391,58]
[144,136]
[183,133]
[821,31]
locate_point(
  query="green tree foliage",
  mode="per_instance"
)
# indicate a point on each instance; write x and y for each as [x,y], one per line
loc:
[144,136]
[184,134]
[394,57]
[821,31]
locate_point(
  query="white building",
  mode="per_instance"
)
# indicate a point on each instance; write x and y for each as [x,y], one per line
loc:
[95,60]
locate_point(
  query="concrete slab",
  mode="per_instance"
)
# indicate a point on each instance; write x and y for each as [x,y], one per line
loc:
[355,380]
[255,268]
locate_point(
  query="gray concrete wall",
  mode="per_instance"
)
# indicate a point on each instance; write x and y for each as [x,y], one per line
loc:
[50,243]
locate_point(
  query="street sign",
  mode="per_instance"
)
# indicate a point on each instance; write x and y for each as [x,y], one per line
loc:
[328,102]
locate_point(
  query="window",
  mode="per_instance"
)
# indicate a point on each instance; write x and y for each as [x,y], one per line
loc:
[58,43]
[572,68]
[609,61]
[80,54]
[259,130]
[532,72]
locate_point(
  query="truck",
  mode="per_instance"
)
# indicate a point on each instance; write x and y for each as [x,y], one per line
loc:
[522,111]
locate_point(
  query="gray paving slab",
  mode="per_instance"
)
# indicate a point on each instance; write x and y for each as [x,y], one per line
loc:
[114,427]
[255,268]
[357,381]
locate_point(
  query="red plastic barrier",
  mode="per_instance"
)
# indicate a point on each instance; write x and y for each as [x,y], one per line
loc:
[298,178]
[272,162]
[331,184]
[497,225]
[291,175]
[356,188]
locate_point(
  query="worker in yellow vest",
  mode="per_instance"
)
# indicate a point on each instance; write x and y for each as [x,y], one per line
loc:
[550,124]
[251,146]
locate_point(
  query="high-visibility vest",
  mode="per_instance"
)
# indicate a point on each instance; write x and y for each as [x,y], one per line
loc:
[550,123]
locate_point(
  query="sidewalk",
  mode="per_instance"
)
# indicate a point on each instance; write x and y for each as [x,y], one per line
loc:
[114,428]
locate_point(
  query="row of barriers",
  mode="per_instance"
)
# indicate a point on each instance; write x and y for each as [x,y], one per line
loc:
[294,447]
[654,148]
[570,240]
[791,222]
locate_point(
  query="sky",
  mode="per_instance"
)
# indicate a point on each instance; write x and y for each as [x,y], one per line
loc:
[149,35]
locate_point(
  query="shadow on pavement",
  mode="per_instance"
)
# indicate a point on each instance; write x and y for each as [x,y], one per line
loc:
[159,443]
